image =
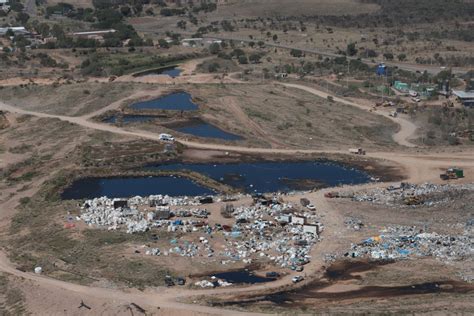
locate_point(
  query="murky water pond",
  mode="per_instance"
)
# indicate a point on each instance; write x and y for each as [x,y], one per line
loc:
[88,188]
[206,130]
[172,71]
[275,176]
[247,177]
[174,101]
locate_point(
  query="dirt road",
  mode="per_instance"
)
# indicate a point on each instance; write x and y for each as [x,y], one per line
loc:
[420,167]
[407,128]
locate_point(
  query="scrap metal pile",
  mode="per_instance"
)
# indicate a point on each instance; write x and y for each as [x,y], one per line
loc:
[426,194]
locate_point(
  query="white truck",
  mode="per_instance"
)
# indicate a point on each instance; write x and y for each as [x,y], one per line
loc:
[357,151]
[166,138]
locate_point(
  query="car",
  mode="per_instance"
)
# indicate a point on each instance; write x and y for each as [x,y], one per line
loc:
[299,269]
[180,281]
[169,281]
[311,207]
[297,278]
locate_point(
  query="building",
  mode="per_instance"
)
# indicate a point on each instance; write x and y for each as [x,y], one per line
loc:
[401,86]
[96,35]
[17,30]
[311,229]
[298,220]
[465,97]
[4,5]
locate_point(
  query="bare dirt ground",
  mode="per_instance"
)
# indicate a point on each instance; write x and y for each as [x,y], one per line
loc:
[419,167]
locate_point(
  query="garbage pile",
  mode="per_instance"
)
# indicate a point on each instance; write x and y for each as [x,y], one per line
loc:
[116,213]
[258,233]
[267,230]
[426,194]
[353,223]
[402,242]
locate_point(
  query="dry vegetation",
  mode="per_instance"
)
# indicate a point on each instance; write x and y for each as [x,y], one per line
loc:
[271,8]
[73,99]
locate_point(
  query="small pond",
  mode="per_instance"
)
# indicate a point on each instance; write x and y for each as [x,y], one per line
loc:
[172,71]
[206,130]
[174,101]
[88,188]
[129,118]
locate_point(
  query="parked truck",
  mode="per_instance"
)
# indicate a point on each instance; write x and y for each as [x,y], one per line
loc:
[357,151]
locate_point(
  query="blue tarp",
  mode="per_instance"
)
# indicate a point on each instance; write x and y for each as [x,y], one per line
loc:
[381,70]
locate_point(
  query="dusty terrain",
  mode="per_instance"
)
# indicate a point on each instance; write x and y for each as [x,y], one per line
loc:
[287,80]
[418,167]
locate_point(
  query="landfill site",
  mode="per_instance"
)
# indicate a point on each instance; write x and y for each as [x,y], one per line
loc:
[257,157]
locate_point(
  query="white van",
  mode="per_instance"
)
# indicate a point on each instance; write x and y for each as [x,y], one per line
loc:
[166,138]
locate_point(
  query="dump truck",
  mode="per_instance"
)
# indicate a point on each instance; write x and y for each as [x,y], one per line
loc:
[452,173]
[357,151]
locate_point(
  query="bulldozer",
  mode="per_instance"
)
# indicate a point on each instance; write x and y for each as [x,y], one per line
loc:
[452,173]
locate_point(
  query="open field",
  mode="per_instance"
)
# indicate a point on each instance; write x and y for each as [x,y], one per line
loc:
[272,8]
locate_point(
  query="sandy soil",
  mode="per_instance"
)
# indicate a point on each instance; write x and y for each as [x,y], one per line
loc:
[41,292]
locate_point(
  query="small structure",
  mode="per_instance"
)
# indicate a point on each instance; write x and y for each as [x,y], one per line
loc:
[162,214]
[401,86]
[284,219]
[311,229]
[97,35]
[17,30]
[4,5]
[465,97]
[298,220]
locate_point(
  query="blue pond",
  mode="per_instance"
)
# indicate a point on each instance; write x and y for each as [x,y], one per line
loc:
[129,118]
[174,101]
[172,71]
[125,187]
[207,130]
[275,176]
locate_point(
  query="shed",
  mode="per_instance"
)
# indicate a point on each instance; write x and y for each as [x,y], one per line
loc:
[311,229]
[298,220]
[162,214]
[465,97]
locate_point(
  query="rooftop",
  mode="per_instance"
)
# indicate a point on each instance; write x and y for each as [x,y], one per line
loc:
[464,94]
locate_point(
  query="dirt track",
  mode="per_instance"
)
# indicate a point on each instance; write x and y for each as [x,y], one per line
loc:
[420,167]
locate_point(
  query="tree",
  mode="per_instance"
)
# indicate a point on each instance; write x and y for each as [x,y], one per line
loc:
[388,56]
[255,58]
[163,43]
[275,37]
[296,53]
[402,57]
[214,48]
[351,49]
[243,59]
[181,24]
[213,67]
[22,17]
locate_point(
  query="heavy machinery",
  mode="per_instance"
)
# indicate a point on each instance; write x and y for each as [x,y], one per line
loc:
[452,173]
